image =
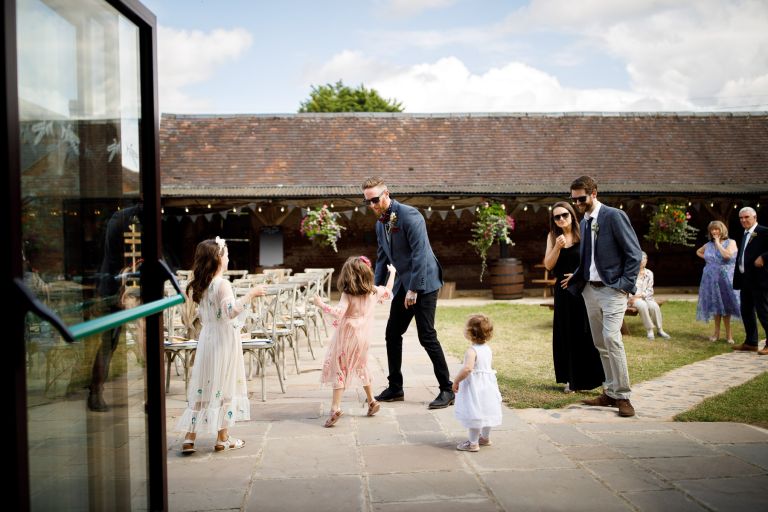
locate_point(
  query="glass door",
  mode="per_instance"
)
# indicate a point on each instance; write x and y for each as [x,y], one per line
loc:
[89,236]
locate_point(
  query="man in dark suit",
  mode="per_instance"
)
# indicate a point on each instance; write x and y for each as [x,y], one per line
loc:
[751,279]
[402,239]
[610,262]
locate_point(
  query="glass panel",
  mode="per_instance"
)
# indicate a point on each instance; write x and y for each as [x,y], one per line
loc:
[79,110]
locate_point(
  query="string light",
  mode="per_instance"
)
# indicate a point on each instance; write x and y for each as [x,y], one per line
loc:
[621,206]
[453,207]
[735,206]
[758,205]
[234,210]
[666,207]
[689,203]
[355,208]
[282,208]
[525,208]
[712,204]
[503,206]
[477,209]
[549,208]
[162,210]
[429,209]
[209,206]
[259,209]
[642,205]
[331,204]
[186,209]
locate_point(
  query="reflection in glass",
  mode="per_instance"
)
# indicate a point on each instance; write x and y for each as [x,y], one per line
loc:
[79,109]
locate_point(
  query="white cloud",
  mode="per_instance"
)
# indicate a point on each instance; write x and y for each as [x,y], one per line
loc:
[408,8]
[351,67]
[690,53]
[448,86]
[187,57]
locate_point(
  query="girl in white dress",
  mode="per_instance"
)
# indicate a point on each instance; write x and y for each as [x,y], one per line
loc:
[478,400]
[217,395]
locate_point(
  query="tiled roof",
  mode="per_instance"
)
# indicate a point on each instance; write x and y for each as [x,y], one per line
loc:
[329,155]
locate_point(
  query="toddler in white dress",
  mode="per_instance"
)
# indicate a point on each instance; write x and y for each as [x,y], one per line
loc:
[478,400]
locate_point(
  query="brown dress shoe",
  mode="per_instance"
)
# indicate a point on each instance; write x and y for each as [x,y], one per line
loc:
[745,348]
[625,407]
[763,352]
[601,401]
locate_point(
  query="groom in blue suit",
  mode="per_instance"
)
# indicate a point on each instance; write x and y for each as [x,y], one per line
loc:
[402,239]
[610,262]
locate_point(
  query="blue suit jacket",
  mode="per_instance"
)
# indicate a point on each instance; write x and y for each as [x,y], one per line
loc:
[617,251]
[753,276]
[409,251]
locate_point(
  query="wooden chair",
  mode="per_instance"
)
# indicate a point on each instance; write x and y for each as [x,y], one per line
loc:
[547,281]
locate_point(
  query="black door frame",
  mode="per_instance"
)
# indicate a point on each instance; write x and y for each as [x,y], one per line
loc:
[13,372]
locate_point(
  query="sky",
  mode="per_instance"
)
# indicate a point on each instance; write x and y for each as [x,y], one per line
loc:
[441,56]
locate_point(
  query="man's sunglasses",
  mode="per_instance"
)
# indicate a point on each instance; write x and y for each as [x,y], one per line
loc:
[373,200]
[580,199]
[561,216]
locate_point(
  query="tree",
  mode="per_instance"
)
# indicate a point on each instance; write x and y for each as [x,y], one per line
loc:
[340,98]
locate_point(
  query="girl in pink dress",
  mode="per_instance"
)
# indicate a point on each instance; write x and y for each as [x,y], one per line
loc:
[346,359]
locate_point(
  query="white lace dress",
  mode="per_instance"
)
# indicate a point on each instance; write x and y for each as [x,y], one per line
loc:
[217,395]
[478,402]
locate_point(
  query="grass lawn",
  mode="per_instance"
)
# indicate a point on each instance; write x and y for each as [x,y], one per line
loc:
[742,404]
[522,348]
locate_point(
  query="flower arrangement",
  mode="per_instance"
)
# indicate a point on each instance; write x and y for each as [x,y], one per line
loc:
[492,224]
[322,226]
[670,224]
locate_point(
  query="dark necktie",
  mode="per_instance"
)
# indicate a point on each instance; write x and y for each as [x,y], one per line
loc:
[587,253]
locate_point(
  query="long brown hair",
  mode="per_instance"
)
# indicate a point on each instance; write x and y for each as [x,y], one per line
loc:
[356,277]
[555,230]
[207,261]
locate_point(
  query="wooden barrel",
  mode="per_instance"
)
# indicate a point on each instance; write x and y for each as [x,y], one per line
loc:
[507,278]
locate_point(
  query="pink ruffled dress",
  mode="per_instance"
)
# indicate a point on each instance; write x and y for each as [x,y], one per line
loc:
[346,359]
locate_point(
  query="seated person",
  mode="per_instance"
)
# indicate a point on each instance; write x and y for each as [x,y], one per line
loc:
[646,305]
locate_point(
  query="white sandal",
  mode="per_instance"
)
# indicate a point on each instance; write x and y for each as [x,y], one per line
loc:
[232,443]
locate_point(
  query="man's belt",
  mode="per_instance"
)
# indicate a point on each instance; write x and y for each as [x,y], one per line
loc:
[597,284]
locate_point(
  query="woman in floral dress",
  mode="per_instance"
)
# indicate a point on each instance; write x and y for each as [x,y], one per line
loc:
[717,298]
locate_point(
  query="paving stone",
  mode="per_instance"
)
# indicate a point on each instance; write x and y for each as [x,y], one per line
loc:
[285,411]
[335,455]
[723,432]
[519,450]
[666,499]
[685,468]
[321,494]
[380,432]
[655,444]
[408,458]
[558,489]
[438,506]
[585,453]
[425,486]
[417,423]
[748,493]
[207,498]
[625,475]
[567,435]
[756,454]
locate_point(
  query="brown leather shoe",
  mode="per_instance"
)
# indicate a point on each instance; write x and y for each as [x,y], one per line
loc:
[745,348]
[601,401]
[763,352]
[625,407]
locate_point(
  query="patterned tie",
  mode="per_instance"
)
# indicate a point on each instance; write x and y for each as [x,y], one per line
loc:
[587,252]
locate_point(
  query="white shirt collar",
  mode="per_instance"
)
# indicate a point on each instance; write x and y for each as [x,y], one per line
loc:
[595,210]
[751,230]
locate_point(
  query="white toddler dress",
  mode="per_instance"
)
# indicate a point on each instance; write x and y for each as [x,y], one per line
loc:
[478,402]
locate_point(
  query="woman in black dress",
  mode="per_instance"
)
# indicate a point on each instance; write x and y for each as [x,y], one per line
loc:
[577,362]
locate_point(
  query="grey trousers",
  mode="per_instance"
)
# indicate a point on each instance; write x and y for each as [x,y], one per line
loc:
[605,310]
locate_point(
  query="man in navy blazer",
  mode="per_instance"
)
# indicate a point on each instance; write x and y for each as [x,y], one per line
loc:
[751,279]
[610,262]
[402,239]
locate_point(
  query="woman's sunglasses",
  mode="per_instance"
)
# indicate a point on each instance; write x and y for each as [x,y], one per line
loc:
[563,216]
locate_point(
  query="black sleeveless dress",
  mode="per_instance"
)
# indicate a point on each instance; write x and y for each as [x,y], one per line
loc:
[576,358]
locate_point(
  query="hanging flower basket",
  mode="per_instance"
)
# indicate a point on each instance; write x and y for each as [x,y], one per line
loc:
[491,225]
[670,225]
[322,226]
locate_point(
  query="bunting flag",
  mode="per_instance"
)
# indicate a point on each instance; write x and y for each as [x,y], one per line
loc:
[347,214]
[224,214]
[443,213]
[208,216]
[194,217]
[428,213]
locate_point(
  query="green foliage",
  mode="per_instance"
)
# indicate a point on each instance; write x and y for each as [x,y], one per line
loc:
[340,98]
[492,224]
[322,226]
[742,404]
[670,224]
